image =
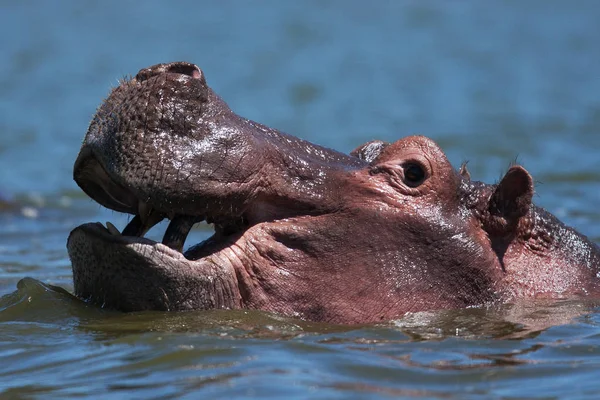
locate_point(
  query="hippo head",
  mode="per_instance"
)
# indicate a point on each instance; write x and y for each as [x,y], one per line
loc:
[300,230]
[538,255]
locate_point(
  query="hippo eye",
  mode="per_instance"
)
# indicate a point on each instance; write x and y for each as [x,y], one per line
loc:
[414,174]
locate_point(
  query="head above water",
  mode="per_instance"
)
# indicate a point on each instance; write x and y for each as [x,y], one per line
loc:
[300,229]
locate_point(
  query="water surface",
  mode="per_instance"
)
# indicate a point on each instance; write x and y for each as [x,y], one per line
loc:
[491,82]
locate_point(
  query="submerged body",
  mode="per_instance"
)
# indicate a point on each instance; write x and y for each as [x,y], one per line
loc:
[300,229]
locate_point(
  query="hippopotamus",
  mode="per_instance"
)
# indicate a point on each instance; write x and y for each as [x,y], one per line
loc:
[301,230]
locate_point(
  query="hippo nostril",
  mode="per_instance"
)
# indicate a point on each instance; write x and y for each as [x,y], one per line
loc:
[180,67]
[185,68]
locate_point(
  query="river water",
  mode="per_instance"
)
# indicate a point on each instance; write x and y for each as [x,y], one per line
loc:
[492,82]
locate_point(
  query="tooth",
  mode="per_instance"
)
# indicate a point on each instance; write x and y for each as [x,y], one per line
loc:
[178,230]
[134,227]
[144,221]
[144,211]
[112,229]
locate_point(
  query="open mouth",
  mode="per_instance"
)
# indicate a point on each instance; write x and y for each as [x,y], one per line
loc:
[97,183]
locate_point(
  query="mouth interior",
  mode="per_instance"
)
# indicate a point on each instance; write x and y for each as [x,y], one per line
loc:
[96,183]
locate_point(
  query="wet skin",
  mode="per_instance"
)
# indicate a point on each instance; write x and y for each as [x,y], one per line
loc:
[301,230]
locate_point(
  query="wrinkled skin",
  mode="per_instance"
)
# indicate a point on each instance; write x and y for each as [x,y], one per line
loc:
[301,230]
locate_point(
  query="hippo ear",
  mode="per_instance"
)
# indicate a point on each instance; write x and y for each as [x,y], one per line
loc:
[370,150]
[513,195]
[464,172]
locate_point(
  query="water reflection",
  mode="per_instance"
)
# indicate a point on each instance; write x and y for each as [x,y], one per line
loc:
[36,301]
[239,349]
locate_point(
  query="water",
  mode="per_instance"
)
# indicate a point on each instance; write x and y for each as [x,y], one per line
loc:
[490,82]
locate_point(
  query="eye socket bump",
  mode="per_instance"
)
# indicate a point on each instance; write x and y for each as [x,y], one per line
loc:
[414,173]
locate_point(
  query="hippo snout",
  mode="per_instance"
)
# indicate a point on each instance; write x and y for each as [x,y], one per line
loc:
[179,67]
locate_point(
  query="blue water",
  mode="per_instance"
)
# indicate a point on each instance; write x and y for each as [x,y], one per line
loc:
[490,81]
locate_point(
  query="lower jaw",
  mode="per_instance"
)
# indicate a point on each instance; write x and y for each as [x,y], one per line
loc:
[115,272]
[136,274]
